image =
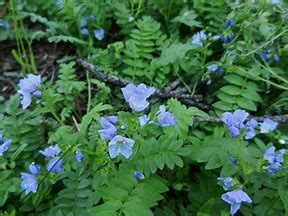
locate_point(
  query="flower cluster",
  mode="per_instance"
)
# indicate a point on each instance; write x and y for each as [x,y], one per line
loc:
[99,33]
[136,96]
[4,145]
[235,123]
[235,196]
[270,54]
[30,182]
[55,163]
[29,87]
[274,159]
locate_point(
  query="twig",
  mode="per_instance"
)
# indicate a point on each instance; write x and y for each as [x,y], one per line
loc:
[170,91]
[276,118]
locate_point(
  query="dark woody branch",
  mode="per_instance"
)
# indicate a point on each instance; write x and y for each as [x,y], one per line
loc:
[170,91]
[276,118]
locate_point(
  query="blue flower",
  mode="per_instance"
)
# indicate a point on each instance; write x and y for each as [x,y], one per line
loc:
[139,175]
[275,2]
[274,159]
[79,156]
[216,37]
[235,121]
[230,23]
[99,34]
[109,130]
[84,31]
[59,4]
[51,151]
[250,129]
[235,199]
[227,183]
[267,126]
[29,86]
[83,22]
[29,183]
[266,56]
[137,96]
[276,58]
[4,145]
[228,38]
[34,168]
[213,68]
[55,165]
[233,160]
[166,118]
[143,120]
[4,24]
[198,37]
[120,145]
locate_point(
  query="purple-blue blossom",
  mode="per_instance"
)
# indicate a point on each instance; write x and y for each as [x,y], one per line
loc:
[267,125]
[29,183]
[213,68]
[51,151]
[250,129]
[198,37]
[4,24]
[230,23]
[4,145]
[275,160]
[139,175]
[84,31]
[120,145]
[166,118]
[216,37]
[228,38]
[34,168]
[55,165]
[29,87]
[227,183]
[137,96]
[79,156]
[99,34]
[109,129]
[235,199]
[276,58]
[266,56]
[143,120]
[59,4]
[275,2]
[235,121]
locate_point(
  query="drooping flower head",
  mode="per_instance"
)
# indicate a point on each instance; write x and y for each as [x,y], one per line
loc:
[166,118]
[34,168]
[250,129]
[227,38]
[4,146]
[227,183]
[79,156]
[29,183]
[99,34]
[55,165]
[274,159]
[51,151]
[137,96]
[139,175]
[268,125]
[198,37]
[29,87]
[235,121]
[109,129]
[120,145]
[235,199]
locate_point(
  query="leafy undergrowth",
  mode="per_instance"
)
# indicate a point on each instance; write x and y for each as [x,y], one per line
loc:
[156,107]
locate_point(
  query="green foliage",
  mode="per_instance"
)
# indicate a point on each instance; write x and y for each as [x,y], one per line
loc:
[124,195]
